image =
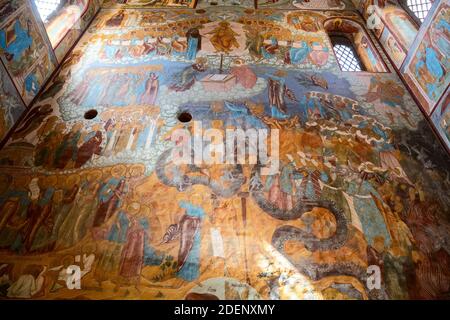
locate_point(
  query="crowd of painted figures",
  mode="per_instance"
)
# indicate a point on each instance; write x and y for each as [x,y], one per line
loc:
[361,181]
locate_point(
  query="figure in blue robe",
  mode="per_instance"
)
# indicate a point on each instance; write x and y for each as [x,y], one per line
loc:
[31,84]
[110,51]
[373,60]
[142,138]
[311,106]
[310,186]
[268,51]
[194,43]
[191,51]
[433,63]
[16,48]
[107,189]
[277,91]
[118,231]
[298,55]
[372,220]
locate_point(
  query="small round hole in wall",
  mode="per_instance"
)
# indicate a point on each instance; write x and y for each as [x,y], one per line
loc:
[90,114]
[184,117]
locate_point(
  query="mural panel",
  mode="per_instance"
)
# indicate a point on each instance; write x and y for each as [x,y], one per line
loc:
[148,3]
[11,104]
[88,177]
[24,51]
[426,68]
[312,4]
[393,48]
[296,44]
[392,26]
[441,118]
[398,21]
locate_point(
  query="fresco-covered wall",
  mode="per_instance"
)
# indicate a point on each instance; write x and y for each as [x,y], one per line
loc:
[441,118]
[426,69]
[88,176]
[25,50]
[395,29]
[420,56]
[26,46]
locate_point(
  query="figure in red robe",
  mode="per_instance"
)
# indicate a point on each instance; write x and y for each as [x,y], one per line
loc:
[89,148]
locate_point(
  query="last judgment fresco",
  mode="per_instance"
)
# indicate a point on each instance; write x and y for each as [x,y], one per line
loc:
[89,186]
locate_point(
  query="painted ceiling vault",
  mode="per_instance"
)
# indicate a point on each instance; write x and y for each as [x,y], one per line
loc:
[87,177]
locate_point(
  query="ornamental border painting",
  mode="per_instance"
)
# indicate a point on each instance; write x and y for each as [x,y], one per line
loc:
[139,4]
[11,105]
[441,118]
[393,48]
[306,5]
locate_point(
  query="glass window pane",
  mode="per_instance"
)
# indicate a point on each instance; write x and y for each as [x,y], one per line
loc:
[419,7]
[346,58]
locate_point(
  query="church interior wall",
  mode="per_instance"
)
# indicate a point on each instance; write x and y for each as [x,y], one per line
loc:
[87,178]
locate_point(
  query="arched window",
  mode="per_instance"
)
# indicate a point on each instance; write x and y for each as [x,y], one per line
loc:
[419,8]
[345,54]
[352,46]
